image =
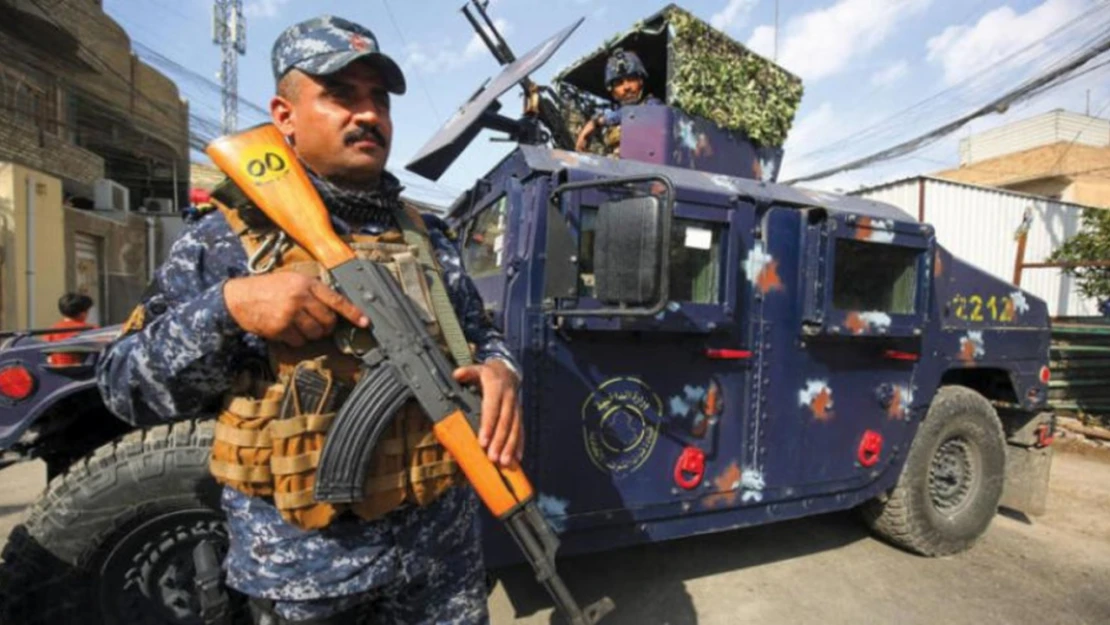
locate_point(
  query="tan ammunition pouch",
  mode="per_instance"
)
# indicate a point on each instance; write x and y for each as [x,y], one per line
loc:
[612,139]
[268,441]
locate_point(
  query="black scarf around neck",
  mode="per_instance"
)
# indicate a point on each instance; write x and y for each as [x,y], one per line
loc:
[362,207]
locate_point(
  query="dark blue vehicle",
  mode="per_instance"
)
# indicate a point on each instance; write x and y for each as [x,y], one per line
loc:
[703,350]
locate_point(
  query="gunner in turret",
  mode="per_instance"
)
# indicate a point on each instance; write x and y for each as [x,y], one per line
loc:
[624,77]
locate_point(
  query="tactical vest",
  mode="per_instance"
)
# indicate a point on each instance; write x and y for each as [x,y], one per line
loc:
[268,437]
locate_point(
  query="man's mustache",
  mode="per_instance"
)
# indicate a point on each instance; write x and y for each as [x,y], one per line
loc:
[362,133]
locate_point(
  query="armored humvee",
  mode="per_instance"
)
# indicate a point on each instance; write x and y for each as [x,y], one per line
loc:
[703,349]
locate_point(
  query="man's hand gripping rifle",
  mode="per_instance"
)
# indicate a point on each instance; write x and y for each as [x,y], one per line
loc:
[407,362]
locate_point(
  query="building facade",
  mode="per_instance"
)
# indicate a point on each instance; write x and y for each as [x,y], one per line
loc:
[93,144]
[1059,155]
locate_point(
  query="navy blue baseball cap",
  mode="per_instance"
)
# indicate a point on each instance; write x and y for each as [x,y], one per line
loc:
[326,44]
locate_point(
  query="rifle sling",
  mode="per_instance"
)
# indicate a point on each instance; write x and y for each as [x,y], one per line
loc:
[416,235]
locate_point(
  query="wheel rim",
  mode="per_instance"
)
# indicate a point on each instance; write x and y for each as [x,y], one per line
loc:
[954,475]
[148,577]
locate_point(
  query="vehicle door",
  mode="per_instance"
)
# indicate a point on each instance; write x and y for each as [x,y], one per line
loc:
[644,370]
[847,333]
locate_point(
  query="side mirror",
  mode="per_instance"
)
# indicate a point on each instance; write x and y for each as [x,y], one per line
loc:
[628,252]
[631,249]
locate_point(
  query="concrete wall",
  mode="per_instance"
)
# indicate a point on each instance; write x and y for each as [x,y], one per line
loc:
[1092,190]
[33,275]
[1053,127]
[1077,172]
[125,269]
[170,228]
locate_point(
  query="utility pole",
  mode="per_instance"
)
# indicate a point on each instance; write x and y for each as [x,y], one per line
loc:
[229,31]
[775,58]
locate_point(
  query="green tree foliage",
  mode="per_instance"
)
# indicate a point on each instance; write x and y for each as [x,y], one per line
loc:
[1092,243]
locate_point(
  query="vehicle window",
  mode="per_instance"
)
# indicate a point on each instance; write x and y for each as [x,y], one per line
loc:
[695,259]
[875,276]
[484,251]
[695,262]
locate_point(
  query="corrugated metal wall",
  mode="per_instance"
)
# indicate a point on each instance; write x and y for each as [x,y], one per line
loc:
[977,224]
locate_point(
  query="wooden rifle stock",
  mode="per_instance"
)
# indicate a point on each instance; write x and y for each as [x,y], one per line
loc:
[262,164]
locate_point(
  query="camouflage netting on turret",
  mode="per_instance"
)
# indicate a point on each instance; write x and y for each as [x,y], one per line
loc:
[714,77]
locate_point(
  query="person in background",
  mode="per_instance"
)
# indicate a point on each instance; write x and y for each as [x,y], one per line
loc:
[74,308]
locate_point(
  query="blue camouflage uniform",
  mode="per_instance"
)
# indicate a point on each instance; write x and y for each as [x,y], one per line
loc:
[612,117]
[180,365]
[415,565]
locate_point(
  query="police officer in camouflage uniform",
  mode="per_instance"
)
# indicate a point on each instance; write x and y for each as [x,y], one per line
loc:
[624,78]
[205,317]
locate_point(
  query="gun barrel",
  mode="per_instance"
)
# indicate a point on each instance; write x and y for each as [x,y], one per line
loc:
[533,536]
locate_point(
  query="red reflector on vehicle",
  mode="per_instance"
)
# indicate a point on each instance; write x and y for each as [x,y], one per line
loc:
[16,382]
[870,447]
[690,468]
[893,354]
[728,354]
[1046,374]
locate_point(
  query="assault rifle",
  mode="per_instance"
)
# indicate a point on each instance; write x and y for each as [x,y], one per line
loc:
[406,363]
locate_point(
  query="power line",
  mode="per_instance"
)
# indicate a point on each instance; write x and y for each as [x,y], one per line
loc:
[419,78]
[1076,137]
[1048,79]
[911,115]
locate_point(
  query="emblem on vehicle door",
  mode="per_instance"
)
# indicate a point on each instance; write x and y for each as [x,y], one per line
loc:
[620,424]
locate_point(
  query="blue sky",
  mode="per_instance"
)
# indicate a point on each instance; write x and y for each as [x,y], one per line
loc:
[862,61]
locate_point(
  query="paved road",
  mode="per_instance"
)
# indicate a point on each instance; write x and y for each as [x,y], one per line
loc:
[827,570]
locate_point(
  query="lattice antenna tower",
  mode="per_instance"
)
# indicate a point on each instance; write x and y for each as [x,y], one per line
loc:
[229,31]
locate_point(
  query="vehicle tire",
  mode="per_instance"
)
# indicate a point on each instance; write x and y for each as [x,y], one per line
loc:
[952,480]
[110,541]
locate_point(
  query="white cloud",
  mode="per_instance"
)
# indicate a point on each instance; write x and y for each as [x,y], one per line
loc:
[963,50]
[735,14]
[263,8]
[815,129]
[890,74]
[762,41]
[475,47]
[444,57]
[821,43]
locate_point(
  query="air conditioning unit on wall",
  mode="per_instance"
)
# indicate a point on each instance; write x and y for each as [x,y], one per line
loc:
[111,196]
[160,205]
